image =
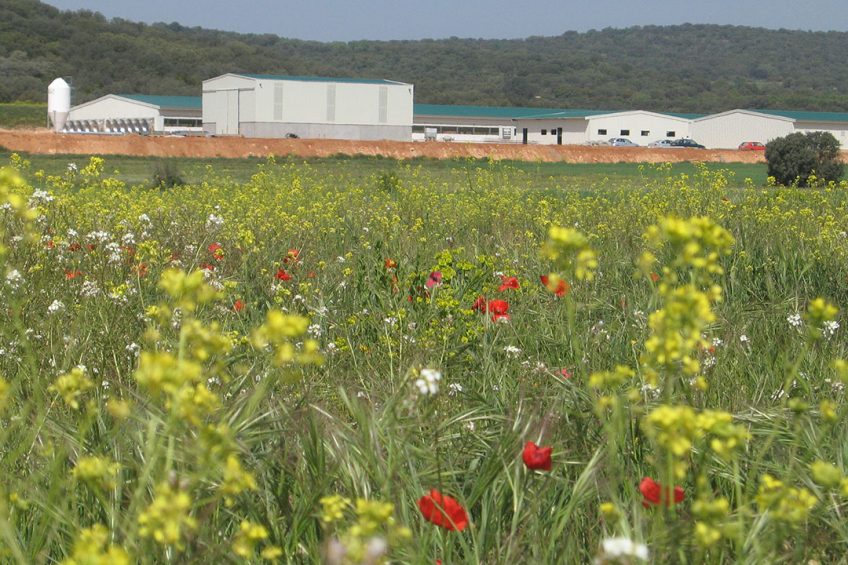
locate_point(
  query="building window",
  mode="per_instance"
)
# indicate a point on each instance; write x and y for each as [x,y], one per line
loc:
[670,134]
[602,132]
[544,132]
[625,132]
[184,122]
[645,133]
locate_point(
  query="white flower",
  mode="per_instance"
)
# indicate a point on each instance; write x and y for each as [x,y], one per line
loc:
[214,222]
[512,351]
[72,167]
[133,349]
[14,278]
[144,218]
[314,330]
[454,389]
[98,236]
[428,384]
[829,328]
[89,289]
[743,339]
[717,342]
[794,320]
[56,306]
[40,196]
[614,548]
[390,321]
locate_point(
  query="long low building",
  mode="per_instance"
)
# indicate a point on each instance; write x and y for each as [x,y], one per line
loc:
[137,113]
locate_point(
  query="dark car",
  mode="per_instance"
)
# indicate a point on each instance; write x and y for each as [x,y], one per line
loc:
[751,146]
[686,143]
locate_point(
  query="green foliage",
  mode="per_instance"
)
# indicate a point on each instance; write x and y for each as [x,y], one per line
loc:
[804,158]
[687,68]
[23,115]
[166,174]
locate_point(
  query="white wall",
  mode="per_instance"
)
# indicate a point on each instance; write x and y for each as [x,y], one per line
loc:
[839,130]
[728,130]
[573,131]
[108,108]
[657,127]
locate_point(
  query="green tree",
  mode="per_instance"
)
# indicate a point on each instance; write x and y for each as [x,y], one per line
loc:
[794,158]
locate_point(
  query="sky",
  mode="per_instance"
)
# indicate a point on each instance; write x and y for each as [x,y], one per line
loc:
[347,20]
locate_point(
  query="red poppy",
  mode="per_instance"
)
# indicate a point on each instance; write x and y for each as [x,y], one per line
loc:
[390,264]
[537,458]
[443,511]
[282,275]
[566,374]
[291,256]
[74,247]
[217,250]
[91,247]
[207,267]
[434,279]
[51,244]
[141,270]
[561,287]
[654,494]
[310,275]
[479,304]
[70,275]
[238,305]
[498,309]
[508,283]
[655,277]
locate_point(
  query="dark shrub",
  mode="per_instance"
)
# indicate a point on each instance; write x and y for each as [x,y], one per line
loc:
[795,157]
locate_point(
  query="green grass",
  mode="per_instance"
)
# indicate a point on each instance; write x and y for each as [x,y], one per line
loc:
[139,170]
[23,115]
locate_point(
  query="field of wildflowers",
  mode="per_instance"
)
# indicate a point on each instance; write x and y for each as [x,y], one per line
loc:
[306,367]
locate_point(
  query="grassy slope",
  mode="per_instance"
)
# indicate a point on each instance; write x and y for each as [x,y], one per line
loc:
[23,115]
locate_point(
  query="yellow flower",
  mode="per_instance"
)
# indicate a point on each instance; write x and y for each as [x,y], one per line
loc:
[236,480]
[167,519]
[92,547]
[248,536]
[71,386]
[98,471]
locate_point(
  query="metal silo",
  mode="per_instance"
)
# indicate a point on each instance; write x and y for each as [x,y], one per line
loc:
[58,103]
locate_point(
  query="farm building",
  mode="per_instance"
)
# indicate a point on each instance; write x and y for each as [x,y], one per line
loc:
[727,130]
[311,107]
[136,113]
[493,124]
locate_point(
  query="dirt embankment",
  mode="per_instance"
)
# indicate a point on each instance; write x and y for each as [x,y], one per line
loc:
[46,142]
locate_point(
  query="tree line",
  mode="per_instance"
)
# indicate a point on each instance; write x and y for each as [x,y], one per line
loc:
[684,68]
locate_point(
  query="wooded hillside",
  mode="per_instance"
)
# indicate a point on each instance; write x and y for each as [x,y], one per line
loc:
[687,68]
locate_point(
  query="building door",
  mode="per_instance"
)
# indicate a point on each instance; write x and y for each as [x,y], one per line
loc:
[232,123]
[524,136]
[559,136]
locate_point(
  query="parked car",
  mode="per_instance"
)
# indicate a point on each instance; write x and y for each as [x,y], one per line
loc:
[751,146]
[661,143]
[622,142]
[684,142]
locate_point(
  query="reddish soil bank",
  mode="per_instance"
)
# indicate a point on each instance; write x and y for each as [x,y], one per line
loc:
[46,142]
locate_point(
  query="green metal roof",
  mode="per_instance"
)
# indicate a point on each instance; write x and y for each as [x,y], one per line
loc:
[497,111]
[319,79]
[684,116]
[193,102]
[805,116]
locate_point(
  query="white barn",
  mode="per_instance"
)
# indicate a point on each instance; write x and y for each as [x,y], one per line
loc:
[275,106]
[727,130]
[638,126]
[136,113]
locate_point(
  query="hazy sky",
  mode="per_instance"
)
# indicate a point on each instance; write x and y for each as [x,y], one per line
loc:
[343,20]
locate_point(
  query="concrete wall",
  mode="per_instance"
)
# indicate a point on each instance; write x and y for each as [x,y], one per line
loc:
[636,123]
[728,130]
[327,131]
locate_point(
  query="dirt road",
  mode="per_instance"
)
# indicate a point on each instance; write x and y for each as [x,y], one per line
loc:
[46,142]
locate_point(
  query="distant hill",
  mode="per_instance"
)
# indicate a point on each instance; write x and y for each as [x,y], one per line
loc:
[687,68]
